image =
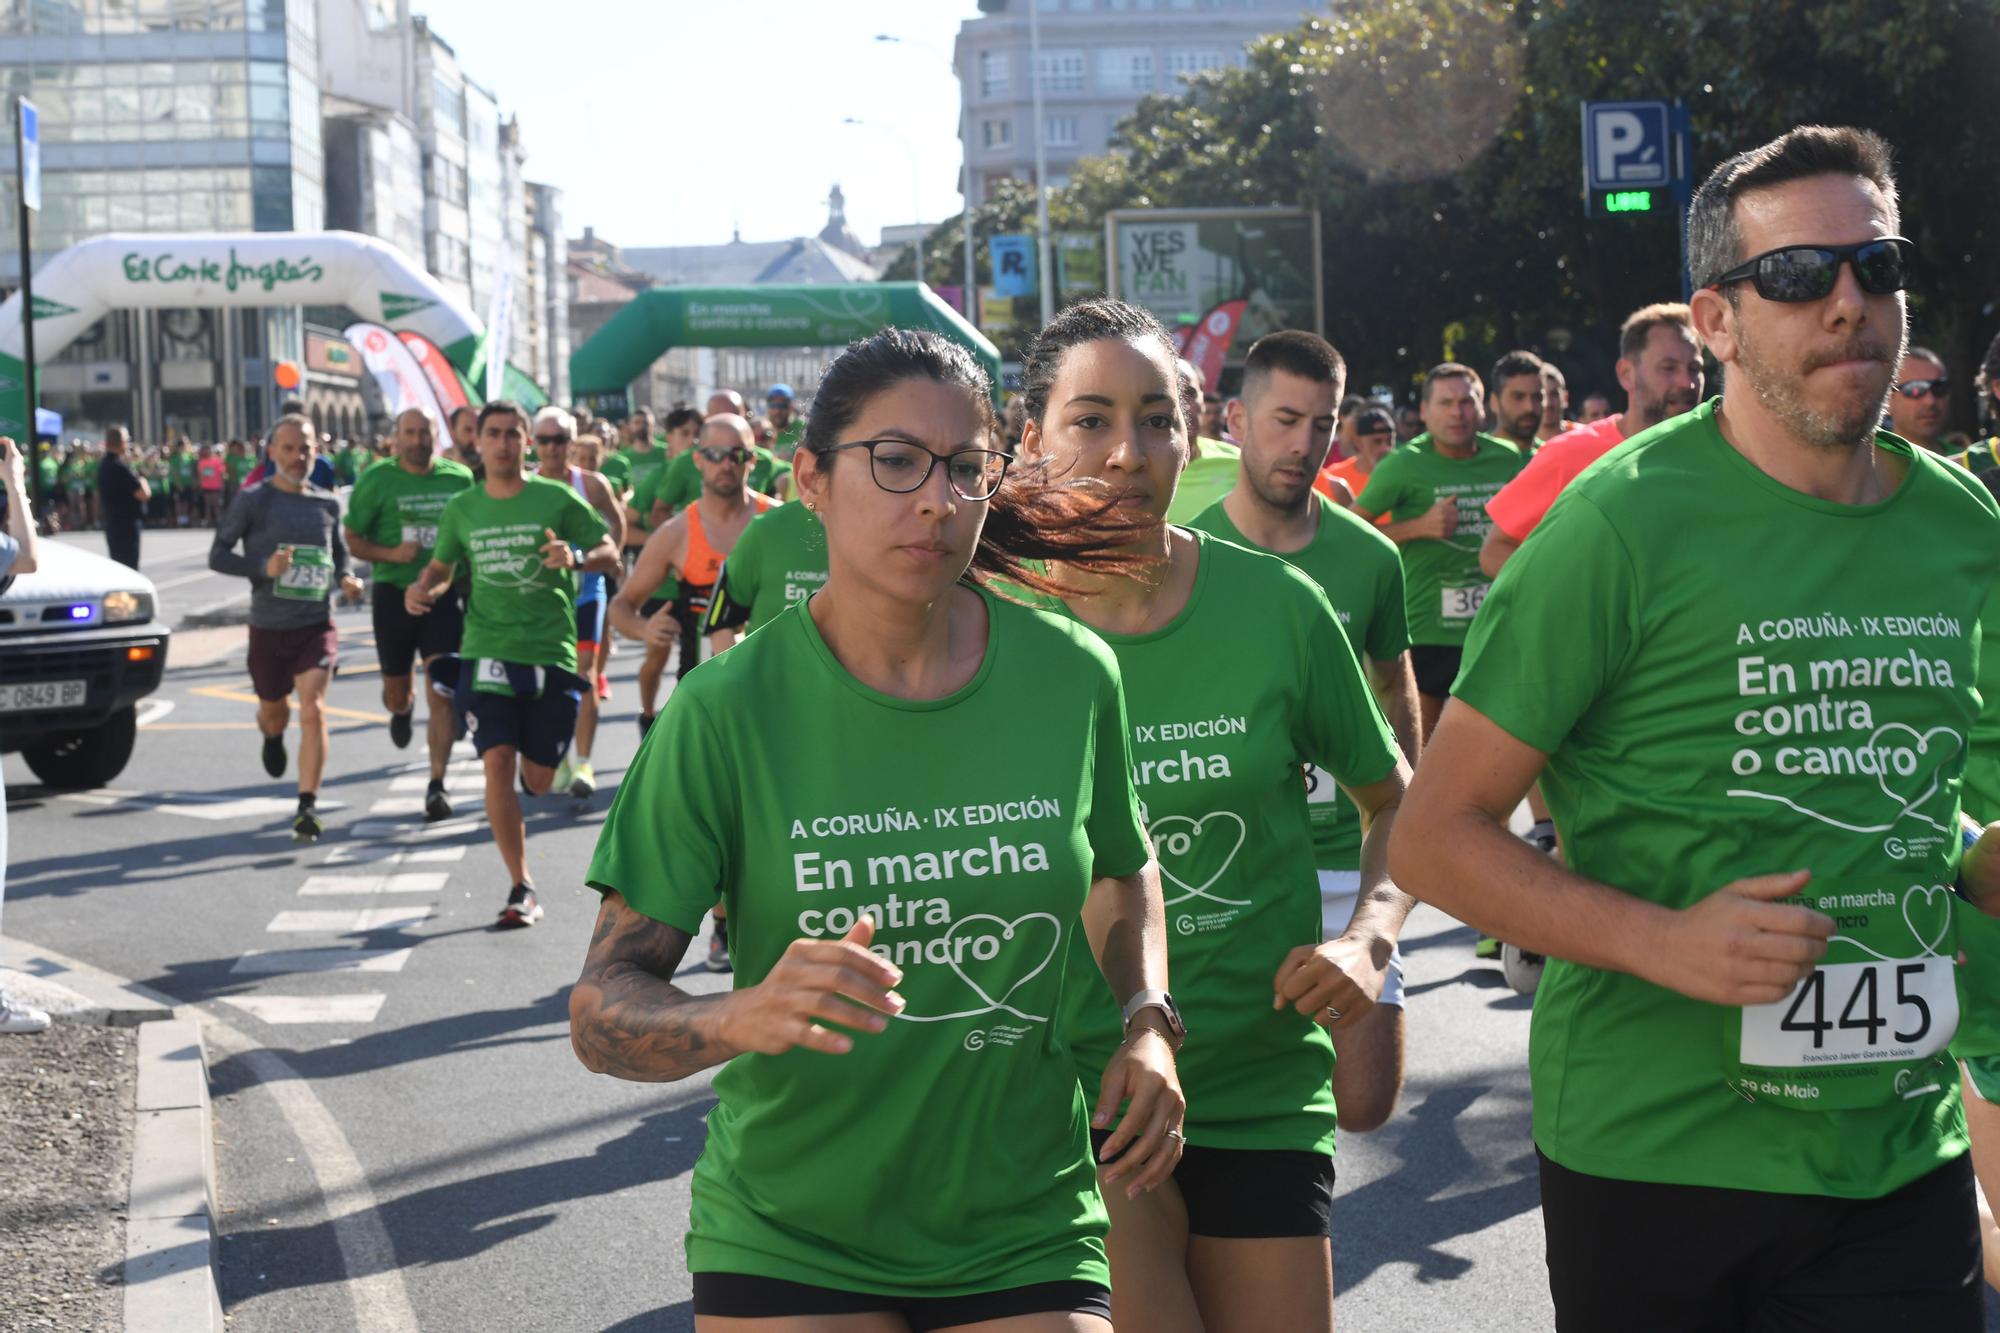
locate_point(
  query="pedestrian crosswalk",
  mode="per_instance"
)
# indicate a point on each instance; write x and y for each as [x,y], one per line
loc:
[387,853]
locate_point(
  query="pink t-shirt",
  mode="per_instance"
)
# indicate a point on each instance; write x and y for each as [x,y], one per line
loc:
[1523,501]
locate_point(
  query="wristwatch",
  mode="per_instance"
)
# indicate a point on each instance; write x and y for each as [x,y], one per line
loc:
[1176,1032]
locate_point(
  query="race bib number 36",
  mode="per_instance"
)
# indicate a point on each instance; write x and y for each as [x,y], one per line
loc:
[1856,1013]
[1463,603]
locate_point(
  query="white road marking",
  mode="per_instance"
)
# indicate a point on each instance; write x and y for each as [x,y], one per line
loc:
[243,807]
[398,805]
[153,710]
[362,853]
[284,1009]
[263,962]
[454,782]
[407,831]
[347,919]
[317,886]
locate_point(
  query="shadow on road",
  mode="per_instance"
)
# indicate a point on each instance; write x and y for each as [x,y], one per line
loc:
[458,1219]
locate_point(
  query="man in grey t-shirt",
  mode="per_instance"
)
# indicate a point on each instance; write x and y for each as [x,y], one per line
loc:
[293,554]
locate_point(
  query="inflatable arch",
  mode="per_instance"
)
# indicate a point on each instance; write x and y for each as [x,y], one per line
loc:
[804,315]
[374,279]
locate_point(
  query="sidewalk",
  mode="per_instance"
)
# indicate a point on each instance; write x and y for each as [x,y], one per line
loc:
[107,1157]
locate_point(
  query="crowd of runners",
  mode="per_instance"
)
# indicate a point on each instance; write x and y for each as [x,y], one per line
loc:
[1105,746]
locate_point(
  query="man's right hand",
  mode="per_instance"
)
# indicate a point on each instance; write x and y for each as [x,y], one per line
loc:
[417,600]
[1741,945]
[280,561]
[662,630]
[816,982]
[1441,519]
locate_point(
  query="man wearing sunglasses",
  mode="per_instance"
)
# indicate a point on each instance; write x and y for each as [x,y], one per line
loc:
[1740,653]
[1920,407]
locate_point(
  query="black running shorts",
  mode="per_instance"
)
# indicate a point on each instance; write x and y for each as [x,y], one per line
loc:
[1250,1193]
[402,640]
[742,1296]
[1436,667]
[539,725]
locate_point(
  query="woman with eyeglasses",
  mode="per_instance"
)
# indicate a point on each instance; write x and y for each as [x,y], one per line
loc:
[1237,674]
[909,792]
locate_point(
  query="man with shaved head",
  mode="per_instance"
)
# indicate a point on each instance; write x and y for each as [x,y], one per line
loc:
[392,520]
[726,401]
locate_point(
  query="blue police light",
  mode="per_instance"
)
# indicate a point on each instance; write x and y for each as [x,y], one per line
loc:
[79,613]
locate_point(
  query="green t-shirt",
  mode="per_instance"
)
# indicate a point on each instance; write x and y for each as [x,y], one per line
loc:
[1442,579]
[645,464]
[1209,475]
[765,470]
[780,559]
[1732,678]
[677,485]
[1979,934]
[519,611]
[76,470]
[974,857]
[1218,741]
[51,472]
[349,463]
[155,470]
[1361,573]
[789,439]
[618,468]
[391,505]
[238,466]
[181,465]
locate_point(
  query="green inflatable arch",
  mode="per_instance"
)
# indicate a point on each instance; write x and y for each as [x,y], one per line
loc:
[805,315]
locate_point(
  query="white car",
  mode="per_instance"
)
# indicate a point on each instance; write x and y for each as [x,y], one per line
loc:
[79,647]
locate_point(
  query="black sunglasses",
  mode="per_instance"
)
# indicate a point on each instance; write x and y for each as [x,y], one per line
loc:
[1799,273]
[1924,388]
[551,441]
[737,455]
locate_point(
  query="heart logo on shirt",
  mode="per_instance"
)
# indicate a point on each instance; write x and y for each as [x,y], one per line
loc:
[1018,945]
[1180,842]
[1921,742]
[1930,920]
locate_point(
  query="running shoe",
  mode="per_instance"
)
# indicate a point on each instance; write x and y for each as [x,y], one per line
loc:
[583,781]
[604,688]
[718,947]
[1488,947]
[436,807]
[399,730]
[18,1019]
[274,755]
[564,772]
[522,910]
[1543,836]
[1522,969]
[306,827]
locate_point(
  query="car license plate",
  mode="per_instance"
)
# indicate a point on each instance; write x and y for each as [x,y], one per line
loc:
[41,695]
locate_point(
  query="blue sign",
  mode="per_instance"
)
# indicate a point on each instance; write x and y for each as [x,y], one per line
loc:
[1627,145]
[31,155]
[1013,265]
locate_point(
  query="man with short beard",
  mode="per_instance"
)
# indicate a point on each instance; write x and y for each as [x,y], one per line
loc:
[1741,654]
[1517,400]
[1659,367]
[1284,424]
[464,446]
[1555,402]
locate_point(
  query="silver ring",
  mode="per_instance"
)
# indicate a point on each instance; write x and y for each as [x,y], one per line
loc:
[1176,1136]
[1332,1012]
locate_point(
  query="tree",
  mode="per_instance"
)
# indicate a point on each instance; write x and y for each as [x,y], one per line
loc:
[1438,139]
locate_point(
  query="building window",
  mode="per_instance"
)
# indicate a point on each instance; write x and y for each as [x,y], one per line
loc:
[997,133]
[1193,60]
[448,105]
[448,181]
[1122,69]
[451,259]
[1059,131]
[1063,71]
[992,73]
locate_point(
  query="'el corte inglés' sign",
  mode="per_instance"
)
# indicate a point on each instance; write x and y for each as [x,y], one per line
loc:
[165,267]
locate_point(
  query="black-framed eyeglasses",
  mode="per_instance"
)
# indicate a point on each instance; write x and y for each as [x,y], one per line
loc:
[1799,273]
[900,467]
[552,441]
[736,455]
[1924,388]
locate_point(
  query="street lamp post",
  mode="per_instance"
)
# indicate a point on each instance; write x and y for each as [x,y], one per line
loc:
[1041,167]
[916,182]
[964,78]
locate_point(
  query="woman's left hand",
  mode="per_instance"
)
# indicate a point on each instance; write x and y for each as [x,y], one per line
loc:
[1146,1146]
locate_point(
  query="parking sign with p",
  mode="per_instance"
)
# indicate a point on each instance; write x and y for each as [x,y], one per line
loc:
[1627,145]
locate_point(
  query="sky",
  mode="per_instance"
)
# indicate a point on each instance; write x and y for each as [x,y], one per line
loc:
[673,122]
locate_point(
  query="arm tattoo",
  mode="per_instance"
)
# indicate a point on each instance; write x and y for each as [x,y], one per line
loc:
[627,1018]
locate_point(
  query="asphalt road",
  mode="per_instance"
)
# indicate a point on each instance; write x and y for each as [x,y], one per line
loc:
[406,1139]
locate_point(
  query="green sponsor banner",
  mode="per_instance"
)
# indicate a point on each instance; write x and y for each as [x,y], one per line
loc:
[47,309]
[1079,264]
[396,306]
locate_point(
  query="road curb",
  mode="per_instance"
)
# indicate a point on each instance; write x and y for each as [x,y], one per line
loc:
[170,1234]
